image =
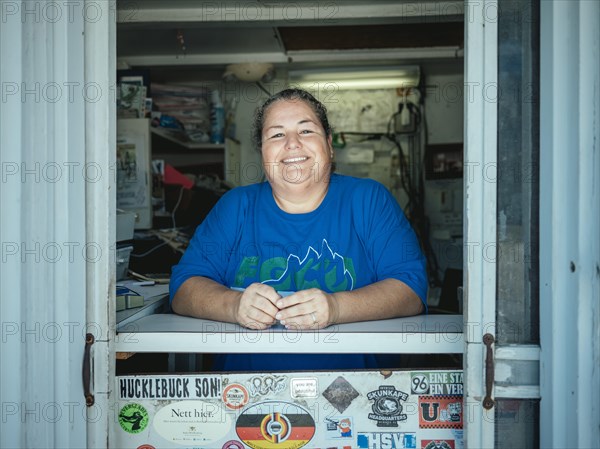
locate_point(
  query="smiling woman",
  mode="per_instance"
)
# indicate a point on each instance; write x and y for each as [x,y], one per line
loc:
[341,245]
[296,149]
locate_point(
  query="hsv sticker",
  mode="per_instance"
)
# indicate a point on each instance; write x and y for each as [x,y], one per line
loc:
[340,394]
[235,396]
[387,440]
[435,444]
[274,424]
[339,427]
[133,418]
[304,387]
[192,422]
[387,406]
[440,412]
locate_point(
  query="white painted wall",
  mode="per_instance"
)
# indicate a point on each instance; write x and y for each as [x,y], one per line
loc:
[570,219]
[42,225]
[57,143]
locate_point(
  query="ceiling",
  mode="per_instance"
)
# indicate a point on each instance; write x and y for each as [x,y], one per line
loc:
[207,36]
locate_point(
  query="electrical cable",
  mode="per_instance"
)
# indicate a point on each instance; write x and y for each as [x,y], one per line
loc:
[258,83]
[413,184]
[151,250]
[411,180]
[176,206]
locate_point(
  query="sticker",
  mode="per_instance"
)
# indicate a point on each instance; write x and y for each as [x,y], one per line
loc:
[340,394]
[235,396]
[446,383]
[458,438]
[275,424]
[387,440]
[233,444]
[264,385]
[169,387]
[146,446]
[437,444]
[387,406]
[133,418]
[192,422]
[339,427]
[419,383]
[440,412]
[304,387]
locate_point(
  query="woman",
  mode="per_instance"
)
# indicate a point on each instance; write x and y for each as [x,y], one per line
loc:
[342,245]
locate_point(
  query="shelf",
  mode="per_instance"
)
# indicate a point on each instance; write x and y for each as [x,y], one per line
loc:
[171,136]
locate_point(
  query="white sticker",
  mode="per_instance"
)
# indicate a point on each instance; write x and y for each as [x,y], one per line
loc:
[192,423]
[304,387]
[169,387]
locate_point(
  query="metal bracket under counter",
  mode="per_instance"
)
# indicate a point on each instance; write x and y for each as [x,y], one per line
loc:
[423,334]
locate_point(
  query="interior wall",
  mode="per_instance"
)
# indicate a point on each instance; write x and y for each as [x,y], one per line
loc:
[249,97]
[443,111]
[443,198]
[444,99]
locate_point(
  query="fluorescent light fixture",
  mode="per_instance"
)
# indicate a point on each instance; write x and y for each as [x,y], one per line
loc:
[356,78]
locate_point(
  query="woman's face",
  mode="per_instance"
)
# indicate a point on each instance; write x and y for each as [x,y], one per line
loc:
[295,148]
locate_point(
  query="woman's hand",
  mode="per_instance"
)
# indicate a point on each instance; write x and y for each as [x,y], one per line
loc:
[256,308]
[307,309]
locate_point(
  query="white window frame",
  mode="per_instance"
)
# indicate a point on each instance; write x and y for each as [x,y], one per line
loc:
[480,154]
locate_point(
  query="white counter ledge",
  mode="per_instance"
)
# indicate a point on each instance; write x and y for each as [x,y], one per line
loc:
[423,334]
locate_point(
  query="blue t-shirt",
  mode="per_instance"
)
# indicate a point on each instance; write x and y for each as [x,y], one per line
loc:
[357,236]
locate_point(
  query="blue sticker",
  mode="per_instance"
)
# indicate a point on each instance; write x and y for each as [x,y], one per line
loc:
[387,440]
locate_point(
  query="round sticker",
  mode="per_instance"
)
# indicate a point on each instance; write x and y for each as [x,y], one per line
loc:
[274,423]
[146,446]
[235,396]
[133,418]
[192,423]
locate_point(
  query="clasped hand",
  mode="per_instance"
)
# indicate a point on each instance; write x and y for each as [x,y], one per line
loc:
[260,306]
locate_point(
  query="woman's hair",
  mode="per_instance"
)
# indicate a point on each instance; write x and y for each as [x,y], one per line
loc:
[288,94]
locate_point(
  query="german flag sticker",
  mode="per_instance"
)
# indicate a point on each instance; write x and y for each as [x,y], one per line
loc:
[275,425]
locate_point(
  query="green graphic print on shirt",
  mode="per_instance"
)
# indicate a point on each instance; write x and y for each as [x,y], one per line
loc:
[328,271]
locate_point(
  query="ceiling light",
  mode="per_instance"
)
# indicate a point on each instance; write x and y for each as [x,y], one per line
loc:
[356,78]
